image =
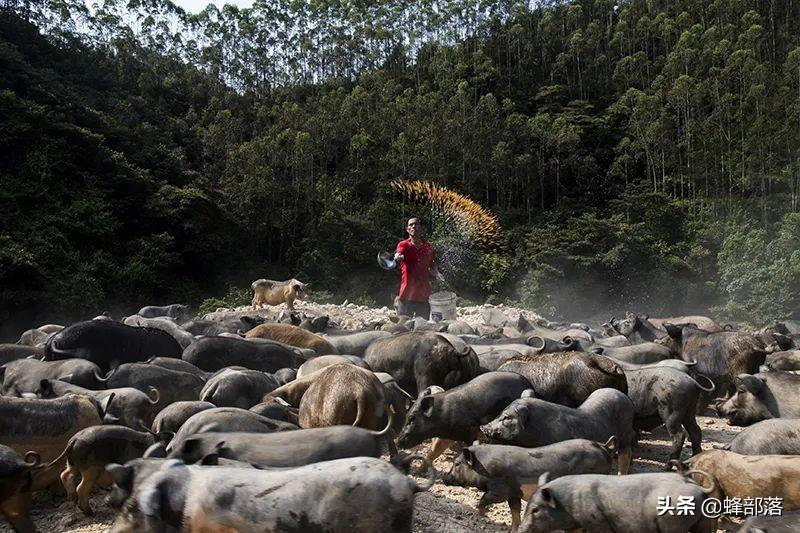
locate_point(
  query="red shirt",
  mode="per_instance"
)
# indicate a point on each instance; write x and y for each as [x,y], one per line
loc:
[415,279]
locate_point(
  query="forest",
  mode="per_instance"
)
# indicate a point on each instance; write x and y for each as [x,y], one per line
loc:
[640,155]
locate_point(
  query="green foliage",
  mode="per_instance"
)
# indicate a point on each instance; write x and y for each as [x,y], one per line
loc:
[236,297]
[760,271]
[636,152]
[586,264]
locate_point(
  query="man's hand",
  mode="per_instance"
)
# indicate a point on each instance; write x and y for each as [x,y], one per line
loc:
[399,257]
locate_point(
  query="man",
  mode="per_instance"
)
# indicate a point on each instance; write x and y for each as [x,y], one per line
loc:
[416,258]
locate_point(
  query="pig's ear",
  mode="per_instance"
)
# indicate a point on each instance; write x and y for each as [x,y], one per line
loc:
[751,383]
[121,474]
[190,446]
[466,453]
[528,393]
[673,331]
[426,405]
[211,459]
[543,478]
[158,450]
[547,497]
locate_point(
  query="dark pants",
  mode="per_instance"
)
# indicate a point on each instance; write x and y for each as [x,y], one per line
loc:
[409,308]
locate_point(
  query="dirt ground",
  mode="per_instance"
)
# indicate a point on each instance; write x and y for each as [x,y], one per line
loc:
[443,508]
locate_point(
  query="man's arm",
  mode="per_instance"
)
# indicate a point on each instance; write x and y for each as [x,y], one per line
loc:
[398,254]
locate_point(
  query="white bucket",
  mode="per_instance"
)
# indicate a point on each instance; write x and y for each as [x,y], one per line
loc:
[443,306]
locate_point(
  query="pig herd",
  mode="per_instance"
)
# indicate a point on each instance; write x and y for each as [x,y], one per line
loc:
[293,424]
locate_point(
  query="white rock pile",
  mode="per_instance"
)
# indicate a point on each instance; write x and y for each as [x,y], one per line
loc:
[352,316]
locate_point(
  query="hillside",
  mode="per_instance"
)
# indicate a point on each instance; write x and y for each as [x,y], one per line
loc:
[639,155]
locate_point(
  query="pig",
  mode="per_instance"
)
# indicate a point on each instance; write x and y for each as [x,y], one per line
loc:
[51,328]
[418,360]
[720,356]
[491,360]
[109,344]
[522,349]
[597,502]
[39,336]
[355,343]
[215,353]
[218,327]
[277,410]
[293,336]
[547,345]
[292,392]
[46,425]
[648,352]
[397,398]
[785,523]
[172,385]
[786,360]
[700,322]
[130,407]
[667,396]
[614,341]
[12,352]
[285,375]
[751,476]
[677,364]
[90,450]
[316,324]
[15,488]
[509,473]
[238,388]
[637,329]
[318,363]
[226,419]
[568,378]
[181,336]
[23,377]
[380,498]
[170,363]
[176,311]
[344,394]
[172,417]
[267,291]
[126,478]
[456,414]
[762,396]
[534,422]
[285,449]
[774,436]
[34,337]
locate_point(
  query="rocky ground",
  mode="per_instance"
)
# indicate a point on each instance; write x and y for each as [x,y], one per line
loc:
[443,508]
[351,316]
